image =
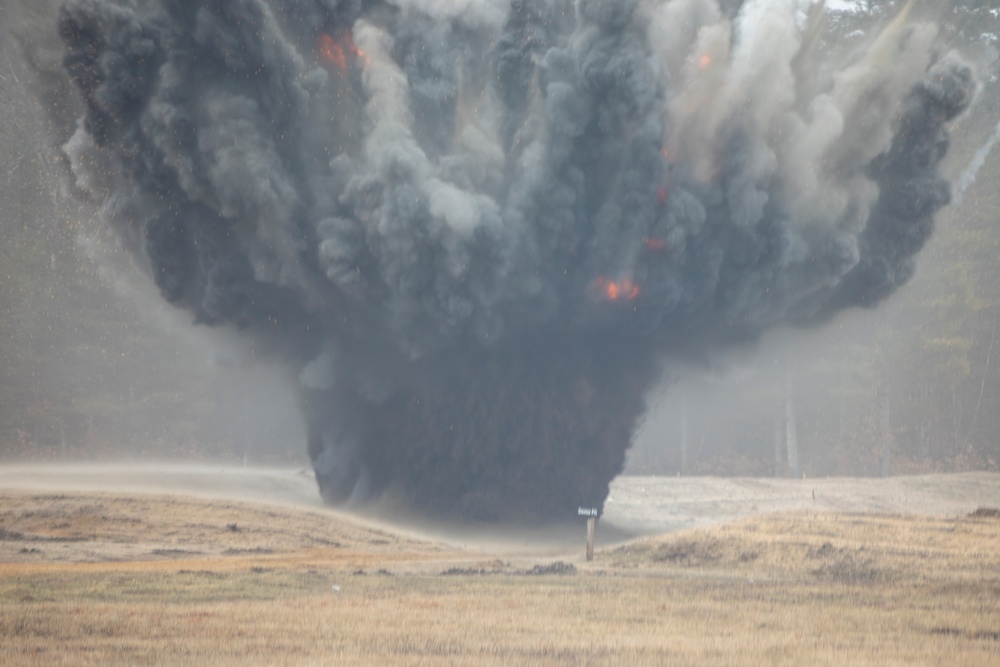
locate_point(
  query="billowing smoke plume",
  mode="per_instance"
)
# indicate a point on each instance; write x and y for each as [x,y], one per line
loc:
[477,229]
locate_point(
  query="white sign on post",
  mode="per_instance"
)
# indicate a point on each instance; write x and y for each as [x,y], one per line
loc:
[587,511]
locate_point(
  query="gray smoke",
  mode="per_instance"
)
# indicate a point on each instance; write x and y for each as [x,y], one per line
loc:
[477,230]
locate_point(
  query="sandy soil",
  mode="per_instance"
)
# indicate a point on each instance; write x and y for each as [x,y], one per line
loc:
[636,506]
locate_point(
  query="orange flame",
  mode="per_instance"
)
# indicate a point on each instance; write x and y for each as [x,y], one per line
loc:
[353,48]
[704,62]
[332,52]
[335,52]
[654,243]
[620,290]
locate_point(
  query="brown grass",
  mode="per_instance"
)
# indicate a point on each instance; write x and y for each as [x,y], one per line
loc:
[102,580]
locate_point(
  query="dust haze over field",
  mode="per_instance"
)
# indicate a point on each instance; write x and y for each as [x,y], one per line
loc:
[477,233]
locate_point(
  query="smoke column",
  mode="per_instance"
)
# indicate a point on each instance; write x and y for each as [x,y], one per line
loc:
[477,231]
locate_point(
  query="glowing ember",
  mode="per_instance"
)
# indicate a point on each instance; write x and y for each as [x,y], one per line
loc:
[353,49]
[704,61]
[654,243]
[335,52]
[332,52]
[617,290]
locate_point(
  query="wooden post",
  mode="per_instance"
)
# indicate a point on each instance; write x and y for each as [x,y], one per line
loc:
[591,524]
[591,514]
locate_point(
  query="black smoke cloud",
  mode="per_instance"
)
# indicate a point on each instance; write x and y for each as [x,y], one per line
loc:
[477,230]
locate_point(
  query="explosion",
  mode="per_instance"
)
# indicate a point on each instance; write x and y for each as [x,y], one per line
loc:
[457,224]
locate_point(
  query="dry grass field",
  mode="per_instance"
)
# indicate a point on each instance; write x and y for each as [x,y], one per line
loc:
[90,578]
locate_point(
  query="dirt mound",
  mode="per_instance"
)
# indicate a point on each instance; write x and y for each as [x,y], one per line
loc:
[844,548]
